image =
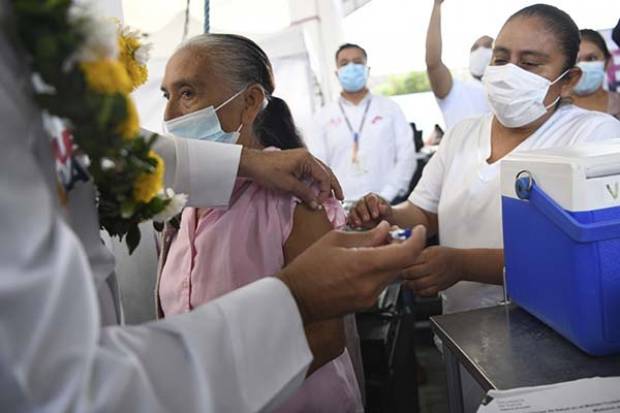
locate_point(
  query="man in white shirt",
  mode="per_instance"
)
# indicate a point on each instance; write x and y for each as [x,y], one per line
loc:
[364,138]
[242,353]
[457,100]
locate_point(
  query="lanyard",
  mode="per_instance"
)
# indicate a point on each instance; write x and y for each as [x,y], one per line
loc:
[354,134]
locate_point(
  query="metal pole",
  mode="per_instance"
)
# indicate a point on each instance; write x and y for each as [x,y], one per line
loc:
[207,16]
[186,25]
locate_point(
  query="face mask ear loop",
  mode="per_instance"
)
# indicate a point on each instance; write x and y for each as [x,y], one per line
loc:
[230,99]
[553,104]
[553,83]
[560,77]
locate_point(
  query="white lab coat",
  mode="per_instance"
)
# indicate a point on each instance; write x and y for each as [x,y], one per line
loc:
[242,353]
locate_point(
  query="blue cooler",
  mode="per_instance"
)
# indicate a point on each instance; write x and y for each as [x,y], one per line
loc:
[561,223]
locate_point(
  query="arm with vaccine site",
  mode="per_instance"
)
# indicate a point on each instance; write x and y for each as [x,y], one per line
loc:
[405,163]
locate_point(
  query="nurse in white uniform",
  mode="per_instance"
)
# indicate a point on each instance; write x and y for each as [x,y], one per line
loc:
[458,197]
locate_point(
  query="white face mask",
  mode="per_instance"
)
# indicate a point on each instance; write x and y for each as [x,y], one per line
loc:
[479,59]
[203,124]
[517,96]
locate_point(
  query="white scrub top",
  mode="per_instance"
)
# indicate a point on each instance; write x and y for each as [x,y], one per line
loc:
[465,100]
[245,352]
[464,190]
[386,150]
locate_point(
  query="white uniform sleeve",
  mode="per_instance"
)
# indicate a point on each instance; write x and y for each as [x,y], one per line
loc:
[427,192]
[205,171]
[241,353]
[607,127]
[316,140]
[405,163]
[465,100]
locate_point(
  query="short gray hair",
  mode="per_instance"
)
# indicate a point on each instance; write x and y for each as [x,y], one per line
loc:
[235,58]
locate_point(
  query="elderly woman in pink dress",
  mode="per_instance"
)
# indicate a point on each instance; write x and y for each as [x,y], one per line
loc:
[219,88]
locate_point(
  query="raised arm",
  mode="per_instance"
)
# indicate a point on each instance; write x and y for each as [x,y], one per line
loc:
[438,73]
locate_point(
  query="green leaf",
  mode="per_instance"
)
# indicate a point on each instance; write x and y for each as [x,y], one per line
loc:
[128,207]
[133,238]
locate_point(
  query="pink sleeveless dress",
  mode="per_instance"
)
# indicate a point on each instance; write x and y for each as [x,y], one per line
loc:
[219,250]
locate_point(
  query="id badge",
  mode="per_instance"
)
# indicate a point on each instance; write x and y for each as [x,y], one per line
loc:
[358,167]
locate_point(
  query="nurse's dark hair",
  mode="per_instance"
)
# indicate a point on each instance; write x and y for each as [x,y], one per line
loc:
[242,63]
[561,25]
[351,46]
[596,38]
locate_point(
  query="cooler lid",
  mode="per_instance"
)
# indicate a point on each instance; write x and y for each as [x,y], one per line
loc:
[596,159]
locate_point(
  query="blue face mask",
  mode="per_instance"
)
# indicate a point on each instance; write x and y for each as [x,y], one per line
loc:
[592,77]
[353,77]
[203,124]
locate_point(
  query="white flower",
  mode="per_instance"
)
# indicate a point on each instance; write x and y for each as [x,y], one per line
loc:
[129,32]
[143,54]
[107,164]
[40,86]
[100,35]
[176,204]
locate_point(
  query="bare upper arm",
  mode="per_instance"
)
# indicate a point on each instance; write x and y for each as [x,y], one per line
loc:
[440,79]
[308,227]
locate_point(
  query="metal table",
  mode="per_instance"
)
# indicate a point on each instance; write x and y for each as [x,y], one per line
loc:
[504,347]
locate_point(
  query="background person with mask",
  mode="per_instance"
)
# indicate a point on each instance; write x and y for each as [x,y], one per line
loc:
[200,261]
[457,100]
[364,138]
[593,60]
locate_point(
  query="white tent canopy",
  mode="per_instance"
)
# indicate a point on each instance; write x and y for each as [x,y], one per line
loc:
[295,81]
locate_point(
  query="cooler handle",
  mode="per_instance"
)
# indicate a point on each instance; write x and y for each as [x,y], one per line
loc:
[526,189]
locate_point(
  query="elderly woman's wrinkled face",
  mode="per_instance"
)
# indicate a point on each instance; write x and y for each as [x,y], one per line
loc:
[190,84]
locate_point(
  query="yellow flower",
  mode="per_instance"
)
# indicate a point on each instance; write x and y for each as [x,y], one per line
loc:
[149,184]
[130,127]
[128,44]
[106,76]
